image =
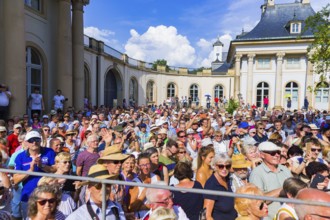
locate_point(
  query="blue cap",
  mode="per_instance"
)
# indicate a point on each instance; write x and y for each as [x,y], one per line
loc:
[243,125]
[143,125]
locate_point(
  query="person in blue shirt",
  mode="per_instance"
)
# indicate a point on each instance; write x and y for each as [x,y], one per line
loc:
[34,159]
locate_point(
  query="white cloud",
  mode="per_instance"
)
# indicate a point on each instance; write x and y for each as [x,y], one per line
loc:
[104,35]
[161,42]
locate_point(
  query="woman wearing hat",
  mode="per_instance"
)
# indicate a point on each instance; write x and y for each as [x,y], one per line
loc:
[70,142]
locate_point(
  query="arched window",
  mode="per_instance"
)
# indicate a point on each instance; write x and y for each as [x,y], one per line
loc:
[291,90]
[133,92]
[193,92]
[262,91]
[171,90]
[33,71]
[322,94]
[218,91]
[150,91]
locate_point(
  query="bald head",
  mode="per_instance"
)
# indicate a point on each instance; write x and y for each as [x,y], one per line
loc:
[312,212]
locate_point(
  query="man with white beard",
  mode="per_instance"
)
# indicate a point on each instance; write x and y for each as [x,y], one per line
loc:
[240,176]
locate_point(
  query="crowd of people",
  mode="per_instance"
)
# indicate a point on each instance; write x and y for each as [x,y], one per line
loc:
[277,153]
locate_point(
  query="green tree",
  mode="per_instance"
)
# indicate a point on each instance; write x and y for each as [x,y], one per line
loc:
[232,105]
[160,62]
[319,50]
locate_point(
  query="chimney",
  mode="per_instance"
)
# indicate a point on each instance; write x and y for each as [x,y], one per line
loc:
[270,2]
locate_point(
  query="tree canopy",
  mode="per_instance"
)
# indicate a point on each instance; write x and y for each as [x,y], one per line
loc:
[319,50]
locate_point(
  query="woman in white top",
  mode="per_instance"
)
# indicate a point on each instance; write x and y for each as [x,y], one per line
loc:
[137,195]
[291,187]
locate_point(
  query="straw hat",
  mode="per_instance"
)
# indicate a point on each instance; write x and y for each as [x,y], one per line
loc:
[112,153]
[68,132]
[162,131]
[153,128]
[99,171]
[313,127]
[239,161]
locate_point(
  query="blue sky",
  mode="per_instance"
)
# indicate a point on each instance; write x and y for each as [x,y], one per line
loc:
[180,31]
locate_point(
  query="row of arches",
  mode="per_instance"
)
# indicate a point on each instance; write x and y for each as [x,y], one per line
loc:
[172,91]
[113,85]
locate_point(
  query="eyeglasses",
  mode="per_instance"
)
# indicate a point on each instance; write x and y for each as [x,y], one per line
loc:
[44,201]
[182,152]
[167,200]
[222,166]
[66,162]
[35,139]
[144,165]
[316,149]
[262,205]
[273,153]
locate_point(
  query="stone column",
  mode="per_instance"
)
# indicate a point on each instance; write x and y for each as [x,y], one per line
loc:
[279,95]
[14,55]
[250,79]
[78,53]
[64,51]
[237,74]
[310,83]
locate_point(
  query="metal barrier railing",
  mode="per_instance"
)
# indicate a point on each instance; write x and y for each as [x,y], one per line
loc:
[171,188]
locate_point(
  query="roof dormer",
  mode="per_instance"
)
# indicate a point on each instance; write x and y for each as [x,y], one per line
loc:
[294,25]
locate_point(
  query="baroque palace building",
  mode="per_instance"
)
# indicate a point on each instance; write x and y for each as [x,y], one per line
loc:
[42,45]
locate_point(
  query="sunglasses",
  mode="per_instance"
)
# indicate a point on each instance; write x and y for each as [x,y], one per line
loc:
[44,201]
[32,140]
[182,136]
[116,162]
[222,166]
[262,205]
[182,152]
[273,153]
[46,130]
[315,149]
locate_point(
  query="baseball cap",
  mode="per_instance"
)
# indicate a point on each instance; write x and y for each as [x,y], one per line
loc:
[243,125]
[45,116]
[17,126]
[32,134]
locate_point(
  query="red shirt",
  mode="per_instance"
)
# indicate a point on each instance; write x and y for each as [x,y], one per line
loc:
[12,143]
[216,99]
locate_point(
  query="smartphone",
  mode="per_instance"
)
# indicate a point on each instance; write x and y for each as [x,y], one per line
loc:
[317,179]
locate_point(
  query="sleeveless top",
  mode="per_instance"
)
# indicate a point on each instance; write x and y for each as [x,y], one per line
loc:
[140,214]
[285,208]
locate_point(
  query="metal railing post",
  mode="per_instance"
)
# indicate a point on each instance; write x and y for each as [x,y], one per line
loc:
[104,201]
